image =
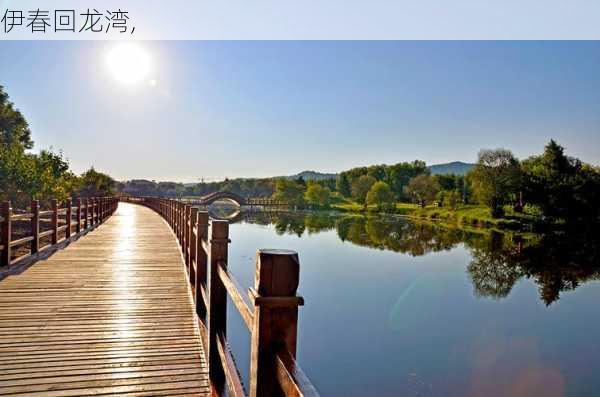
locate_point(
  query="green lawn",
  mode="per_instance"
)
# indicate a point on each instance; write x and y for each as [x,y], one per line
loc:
[467,215]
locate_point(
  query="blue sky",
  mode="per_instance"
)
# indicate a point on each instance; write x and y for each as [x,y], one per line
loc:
[251,109]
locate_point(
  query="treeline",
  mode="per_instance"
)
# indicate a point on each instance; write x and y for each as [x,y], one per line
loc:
[552,185]
[245,187]
[379,185]
[42,176]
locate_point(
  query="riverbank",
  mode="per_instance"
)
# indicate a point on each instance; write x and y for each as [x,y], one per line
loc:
[463,215]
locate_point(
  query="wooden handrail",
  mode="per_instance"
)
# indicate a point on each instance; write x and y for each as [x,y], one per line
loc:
[232,376]
[236,297]
[74,217]
[271,318]
[291,376]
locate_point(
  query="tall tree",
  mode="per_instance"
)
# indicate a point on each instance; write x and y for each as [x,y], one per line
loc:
[496,179]
[343,185]
[14,129]
[361,186]
[94,183]
[561,186]
[380,195]
[289,191]
[422,189]
[317,195]
[400,174]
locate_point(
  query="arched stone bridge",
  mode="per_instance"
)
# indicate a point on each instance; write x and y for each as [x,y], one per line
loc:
[226,196]
[235,199]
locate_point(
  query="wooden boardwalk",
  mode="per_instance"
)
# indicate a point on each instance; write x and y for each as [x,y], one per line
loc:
[111,314]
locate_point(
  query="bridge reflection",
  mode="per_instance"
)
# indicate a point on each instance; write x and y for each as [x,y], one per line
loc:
[236,200]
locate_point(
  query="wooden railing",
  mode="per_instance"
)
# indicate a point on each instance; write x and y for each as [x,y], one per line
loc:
[272,318]
[85,214]
[267,202]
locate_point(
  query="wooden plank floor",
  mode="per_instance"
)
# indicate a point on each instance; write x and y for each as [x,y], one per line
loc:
[108,315]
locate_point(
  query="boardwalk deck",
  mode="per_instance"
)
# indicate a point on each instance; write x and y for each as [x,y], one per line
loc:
[108,315]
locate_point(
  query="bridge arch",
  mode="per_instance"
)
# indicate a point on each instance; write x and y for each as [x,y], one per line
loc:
[228,196]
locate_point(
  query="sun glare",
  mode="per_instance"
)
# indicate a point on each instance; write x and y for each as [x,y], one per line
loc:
[128,63]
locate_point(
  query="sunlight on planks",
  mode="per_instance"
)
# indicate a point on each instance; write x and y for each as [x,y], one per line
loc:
[108,315]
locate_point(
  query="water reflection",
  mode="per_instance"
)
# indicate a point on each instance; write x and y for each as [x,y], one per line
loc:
[557,262]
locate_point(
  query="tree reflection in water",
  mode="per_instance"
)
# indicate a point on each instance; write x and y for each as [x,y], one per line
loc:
[555,261]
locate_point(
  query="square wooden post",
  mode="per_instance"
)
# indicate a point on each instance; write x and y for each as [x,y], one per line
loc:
[5,233]
[201,264]
[78,215]
[54,204]
[181,218]
[179,221]
[275,317]
[92,203]
[87,213]
[175,220]
[35,226]
[186,237]
[172,216]
[68,219]
[94,211]
[192,245]
[217,310]
[101,210]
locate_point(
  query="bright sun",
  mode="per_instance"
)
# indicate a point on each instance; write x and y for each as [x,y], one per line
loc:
[128,63]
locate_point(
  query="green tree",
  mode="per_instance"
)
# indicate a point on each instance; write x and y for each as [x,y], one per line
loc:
[94,184]
[400,174]
[422,189]
[17,171]
[381,195]
[53,178]
[289,191]
[317,195]
[26,176]
[361,186]
[496,179]
[561,186]
[343,185]
[14,129]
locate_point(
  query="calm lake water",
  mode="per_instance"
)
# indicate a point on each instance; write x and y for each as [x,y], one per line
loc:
[397,308]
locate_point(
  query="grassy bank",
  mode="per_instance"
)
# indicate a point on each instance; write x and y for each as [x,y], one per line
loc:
[465,215]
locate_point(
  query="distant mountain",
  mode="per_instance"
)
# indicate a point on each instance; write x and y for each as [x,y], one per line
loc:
[313,176]
[455,167]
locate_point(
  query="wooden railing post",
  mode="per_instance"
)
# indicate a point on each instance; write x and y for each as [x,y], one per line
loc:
[275,317]
[54,204]
[101,209]
[35,226]
[181,213]
[192,244]
[68,219]
[201,263]
[176,210]
[5,233]
[94,211]
[78,215]
[173,220]
[87,213]
[217,311]
[186,237]
[168,210]
[91,204]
